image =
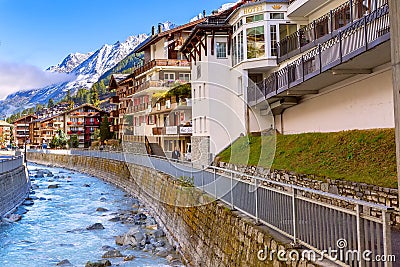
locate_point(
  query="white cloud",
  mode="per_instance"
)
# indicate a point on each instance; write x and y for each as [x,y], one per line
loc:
[15,77]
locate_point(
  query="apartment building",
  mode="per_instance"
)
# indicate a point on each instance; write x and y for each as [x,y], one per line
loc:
[5,134]
[81,121]
[140,103]
[21,130]
[298,66]
[123,86]
[172,115]
[42,130]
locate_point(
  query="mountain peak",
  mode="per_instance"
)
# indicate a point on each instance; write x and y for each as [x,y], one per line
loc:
[70,62]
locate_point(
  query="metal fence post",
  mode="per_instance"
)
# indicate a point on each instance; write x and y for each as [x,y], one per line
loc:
[256,198]
[360,234]
[232,205]
[387,239]
[295,217]
[202,178]
[215,183]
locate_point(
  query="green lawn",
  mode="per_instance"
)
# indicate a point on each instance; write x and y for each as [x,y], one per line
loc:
[367,156]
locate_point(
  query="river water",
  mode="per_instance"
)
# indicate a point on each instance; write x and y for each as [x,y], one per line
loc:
[54,227]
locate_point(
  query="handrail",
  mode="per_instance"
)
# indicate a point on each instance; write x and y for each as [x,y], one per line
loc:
[147,144]
[313,218]
[340,47]
[332,21]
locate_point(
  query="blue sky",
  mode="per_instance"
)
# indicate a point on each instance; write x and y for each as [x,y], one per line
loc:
[43,32]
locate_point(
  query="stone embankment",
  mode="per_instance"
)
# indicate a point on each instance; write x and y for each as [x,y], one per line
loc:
[204,235]
[14,187]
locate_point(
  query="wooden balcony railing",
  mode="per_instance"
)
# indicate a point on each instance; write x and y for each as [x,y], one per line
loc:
[158,84]
[325,27]
[161,63]
[114,114]
[343,45]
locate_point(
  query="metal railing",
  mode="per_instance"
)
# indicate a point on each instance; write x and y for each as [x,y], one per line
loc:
[315,219]
[9,164]
[351,41]
[324,27]
[160,63]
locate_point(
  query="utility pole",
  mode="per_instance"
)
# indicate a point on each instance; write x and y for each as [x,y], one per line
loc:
[394,18]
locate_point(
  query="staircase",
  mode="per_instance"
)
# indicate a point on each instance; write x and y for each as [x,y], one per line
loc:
[157,150]
[154,149]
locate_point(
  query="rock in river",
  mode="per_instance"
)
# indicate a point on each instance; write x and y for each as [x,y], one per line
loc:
[103,263]
[64,263]
[96,226]
[112,254]
[53,186]
[101,209]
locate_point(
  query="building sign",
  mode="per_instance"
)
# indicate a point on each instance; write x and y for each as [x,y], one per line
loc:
[171,130]
[186,130]
[253,9]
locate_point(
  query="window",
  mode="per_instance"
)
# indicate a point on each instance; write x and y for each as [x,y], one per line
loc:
[255,42]
[237,25]
[254,18]
[168,103]
[237,48]
[169,76]
[273,40]
[199,71]
[277,16]
[152,119]
[221,49]
[200,92]
[158,106]
[184,77]
[240,85]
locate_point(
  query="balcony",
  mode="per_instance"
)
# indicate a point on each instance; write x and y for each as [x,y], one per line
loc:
[114,100]
[161,63]
[348,15]
[114,114]
[173,130]
[114,128]
[158,131]
[92,123]
[357,49]
[158,85]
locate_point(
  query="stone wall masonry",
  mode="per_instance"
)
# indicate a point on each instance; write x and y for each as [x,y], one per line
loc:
[207,235]
[14,188]
[362,191]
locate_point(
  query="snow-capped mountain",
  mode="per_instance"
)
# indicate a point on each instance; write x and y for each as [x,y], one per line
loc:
[84,68]
[70,62]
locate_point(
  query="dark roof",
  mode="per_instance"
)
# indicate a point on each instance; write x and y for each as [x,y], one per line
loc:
[152,39]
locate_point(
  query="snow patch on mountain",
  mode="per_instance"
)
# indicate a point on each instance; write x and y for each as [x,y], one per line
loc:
[70,62]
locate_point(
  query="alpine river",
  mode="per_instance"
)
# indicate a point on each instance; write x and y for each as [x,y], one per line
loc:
[54,228]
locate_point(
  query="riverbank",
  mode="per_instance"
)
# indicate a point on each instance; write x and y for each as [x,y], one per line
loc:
[206,235]
[74,218]
[14,184]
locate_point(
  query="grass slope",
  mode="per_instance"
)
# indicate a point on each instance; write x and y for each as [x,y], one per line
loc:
[367,156]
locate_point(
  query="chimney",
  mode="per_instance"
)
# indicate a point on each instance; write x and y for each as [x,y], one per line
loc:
[153,30]
[159,28]
[204,13]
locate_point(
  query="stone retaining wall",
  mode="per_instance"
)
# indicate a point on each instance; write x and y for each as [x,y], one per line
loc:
[207,235]
[362,191]
[14,188]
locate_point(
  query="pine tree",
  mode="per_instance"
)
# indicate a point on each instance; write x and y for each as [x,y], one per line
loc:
[105,133]
[94,95]
[50,104]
